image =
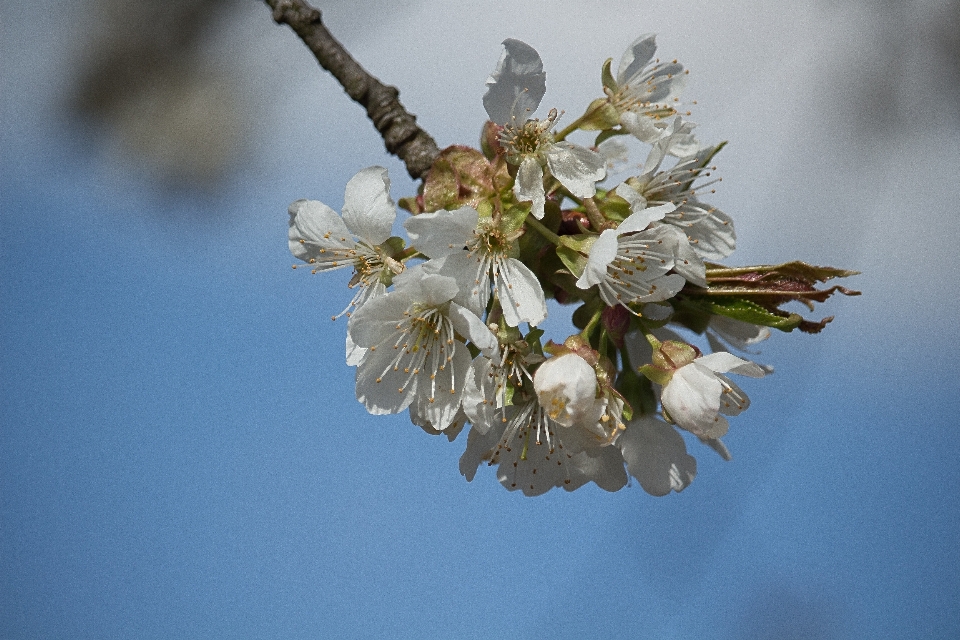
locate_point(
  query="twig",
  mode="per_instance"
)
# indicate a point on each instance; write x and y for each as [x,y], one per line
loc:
[398,127]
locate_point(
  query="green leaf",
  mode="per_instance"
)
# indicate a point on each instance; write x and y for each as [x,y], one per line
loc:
[747,311]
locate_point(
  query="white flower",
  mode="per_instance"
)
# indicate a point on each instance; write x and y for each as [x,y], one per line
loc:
[534,454]
[630,264]
[324,240]
[476,252]
[646,95]
[566,386]
[514,91]
[697,393]
[416,354]
[656,456]
[709,231]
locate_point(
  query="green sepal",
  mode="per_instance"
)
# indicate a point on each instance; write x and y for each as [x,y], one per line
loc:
[513,217]
[533,339]
[615,208]
[606,77]
[411,204]
[572,252]
[393,246]
[656,374]
[599,116]
[609,133]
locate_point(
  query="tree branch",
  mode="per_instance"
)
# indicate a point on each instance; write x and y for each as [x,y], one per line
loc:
[398,127]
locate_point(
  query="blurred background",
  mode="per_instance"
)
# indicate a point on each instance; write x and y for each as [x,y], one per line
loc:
[181,453]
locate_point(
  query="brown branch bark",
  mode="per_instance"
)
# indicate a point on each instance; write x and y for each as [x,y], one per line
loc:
[398,127]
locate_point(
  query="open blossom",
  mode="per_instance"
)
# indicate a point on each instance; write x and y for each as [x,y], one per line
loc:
[646,93]
[698,395]
[416,352]
[477,253]
[630,264]
[514,91]
[324,240]
[709,230]
[533,453]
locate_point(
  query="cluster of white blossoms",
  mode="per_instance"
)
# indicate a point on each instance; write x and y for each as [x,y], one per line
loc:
[444,323]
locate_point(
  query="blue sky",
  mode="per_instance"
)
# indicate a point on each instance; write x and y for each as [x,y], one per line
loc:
[181,453]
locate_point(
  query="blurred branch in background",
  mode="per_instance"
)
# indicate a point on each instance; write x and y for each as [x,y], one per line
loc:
[146,77]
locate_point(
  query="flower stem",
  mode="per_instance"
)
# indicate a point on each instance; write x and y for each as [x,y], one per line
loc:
[652,339]
[591,325]
[597,221]
[542,230]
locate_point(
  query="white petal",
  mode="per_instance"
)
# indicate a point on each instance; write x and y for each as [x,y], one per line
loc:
[382,387]
[376,321]
[521,295]
[601,465]
[657,456]
[737,332]
[442,232]
[316,228]
[602,253]
[642,218]
[517,85]
[368,209]
[642,127]
[471,275]
[471,327]
[577,168]
[479,445]
[566,387]
[439,392]
[636,57]
[529,186]
[482,394]
[712,236]
[723,362]
[687,262]
[692,398]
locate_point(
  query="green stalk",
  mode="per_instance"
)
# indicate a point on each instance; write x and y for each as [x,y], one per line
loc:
[542,230]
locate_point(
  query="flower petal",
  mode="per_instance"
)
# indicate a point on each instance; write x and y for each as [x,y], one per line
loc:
[442,232]
[602,253]
[368,209]
[657,456]
[521,295]
[529,186]
[636,57]
[517,85]
[317,233]
[723,362]
[577,168]
[468,325]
